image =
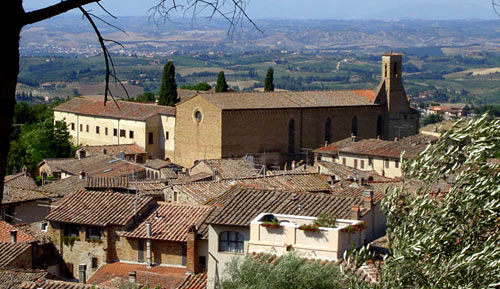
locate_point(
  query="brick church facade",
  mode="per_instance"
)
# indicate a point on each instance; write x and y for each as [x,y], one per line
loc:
[276,127]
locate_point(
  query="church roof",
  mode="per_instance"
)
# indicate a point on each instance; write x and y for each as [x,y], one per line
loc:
[291,99]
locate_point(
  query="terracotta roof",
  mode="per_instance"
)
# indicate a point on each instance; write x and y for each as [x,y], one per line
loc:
[344,172]
[98,208]
[201,192]
[34,232]
[126,109]
[55,163]
[12,278]
[50,284]
[63,187]
[227,169]
[192,178]
[412,146]
[171,222]
[114,168]
[334,148]
[17,195]
[22,236]
[75,166]
[148,187]
[106,183]
[168,173]
[166,277]
[244,204]
[21,180]
[9,252]
[289,99]
[194,281]
[127,149]
[156,163]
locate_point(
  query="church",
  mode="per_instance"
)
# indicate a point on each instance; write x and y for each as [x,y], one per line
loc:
[277,127]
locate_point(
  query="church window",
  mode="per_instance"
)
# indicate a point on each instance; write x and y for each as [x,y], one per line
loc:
[354,126]
[198,116]
[380,126]
[328,128]
[291,136]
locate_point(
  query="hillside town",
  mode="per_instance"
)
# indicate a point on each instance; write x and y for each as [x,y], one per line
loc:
[209,186]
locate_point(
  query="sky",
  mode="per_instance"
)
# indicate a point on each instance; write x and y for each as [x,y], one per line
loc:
[323,9]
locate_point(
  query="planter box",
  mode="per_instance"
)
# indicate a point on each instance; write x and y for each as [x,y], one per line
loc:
[271,226]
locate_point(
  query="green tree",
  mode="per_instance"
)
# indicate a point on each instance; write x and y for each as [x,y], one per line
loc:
[448,240]
[202,86]
[168,89]
[221,85]
[288,272]
[268,82]
[431,118]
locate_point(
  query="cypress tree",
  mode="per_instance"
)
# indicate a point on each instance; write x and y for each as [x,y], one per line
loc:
[168,89]
[221,83]
[268,83]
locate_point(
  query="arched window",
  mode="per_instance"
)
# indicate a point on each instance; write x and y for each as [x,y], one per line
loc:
[230,241]
[354,126]
[380,126]
[291,136]
[328,128]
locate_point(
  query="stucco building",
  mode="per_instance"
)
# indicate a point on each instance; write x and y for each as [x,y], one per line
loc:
[92,123]
[275,127]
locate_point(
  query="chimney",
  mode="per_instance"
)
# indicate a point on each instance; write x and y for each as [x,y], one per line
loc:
[396,139]
[148,245]
[82,268]
[353,137]
[355,213]
[82,175]
[132,277]
[368,199]
[13,236]
[192,251]
[214,174]
[293,165]
[25,171]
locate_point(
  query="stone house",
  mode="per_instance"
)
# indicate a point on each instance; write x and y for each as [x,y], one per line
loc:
[373,155]
[130,152]
[90,122]
[274,127]
[229,227]
[85,228]
[23,205]
[226,169]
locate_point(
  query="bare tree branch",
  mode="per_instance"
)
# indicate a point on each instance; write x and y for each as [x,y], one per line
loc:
[53,10]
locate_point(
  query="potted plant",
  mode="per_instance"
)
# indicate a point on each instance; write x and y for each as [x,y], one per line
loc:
[309,227]
[348,229]
[271,224]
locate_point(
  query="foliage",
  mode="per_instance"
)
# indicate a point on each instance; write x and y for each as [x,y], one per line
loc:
[271,224]
[309,227]
[202,86]
[324,220]
[168,89]
[70,240]
[448,240]
[145,97]
[288,272]
[221,85]
[493,110]
[268,82]
[431,118]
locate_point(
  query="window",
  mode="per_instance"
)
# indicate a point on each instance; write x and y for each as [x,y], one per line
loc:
[175,197]
[362,164]
[396,164]
[328,128]
[70,230]
[291,136]
[354,126]
[231,242]
[380,126]
[94,233]
[115,132]
[355,163]
[166,135]
[198,116]
[343,161]
[81,127]
[87,128]
[94,262]
[150,138]
[131,134]
[106,131]
[202,261]
[386,164]
[97,130]
[370,162]
[44,226]
[122,133]
[72,126]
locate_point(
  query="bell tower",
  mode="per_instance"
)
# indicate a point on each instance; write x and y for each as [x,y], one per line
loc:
[400,119]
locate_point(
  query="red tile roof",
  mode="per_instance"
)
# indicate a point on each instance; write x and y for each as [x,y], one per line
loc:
[16,195]
[194,281]
[11,278]
[289,99]
[21,180]
[98,208]
[6,228]
[106,183]
[9,252]
[50,284]
[171,222]
[124,110]
[127,149]
[334,148]
[166,277]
